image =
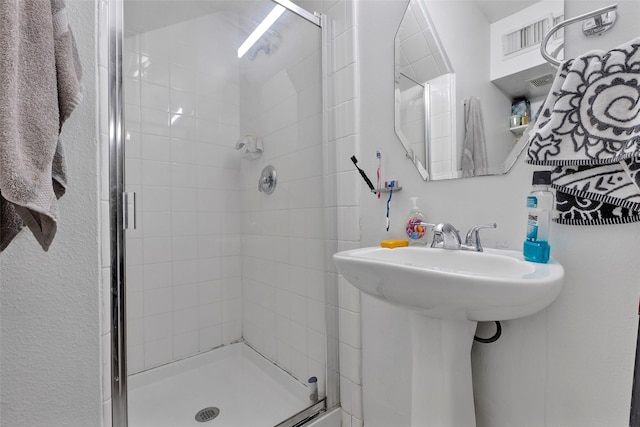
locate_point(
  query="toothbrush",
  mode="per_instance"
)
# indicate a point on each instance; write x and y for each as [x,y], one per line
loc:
[390,186]
[379,156]
[364,175]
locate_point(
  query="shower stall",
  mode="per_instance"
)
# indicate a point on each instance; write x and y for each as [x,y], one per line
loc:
[220,307]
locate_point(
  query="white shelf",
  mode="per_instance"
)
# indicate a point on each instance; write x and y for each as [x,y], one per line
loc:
[518,130]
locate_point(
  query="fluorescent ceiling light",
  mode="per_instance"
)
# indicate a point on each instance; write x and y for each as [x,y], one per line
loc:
[260,30]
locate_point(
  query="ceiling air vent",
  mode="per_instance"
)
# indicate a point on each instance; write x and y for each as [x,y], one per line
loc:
[541,81]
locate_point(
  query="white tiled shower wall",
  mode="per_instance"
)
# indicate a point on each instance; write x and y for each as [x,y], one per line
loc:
[341,203]
[443,153]
[413,119]
[283,265]
[441,156]
[184,258]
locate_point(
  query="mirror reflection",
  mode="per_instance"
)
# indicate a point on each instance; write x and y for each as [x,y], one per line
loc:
[468,78]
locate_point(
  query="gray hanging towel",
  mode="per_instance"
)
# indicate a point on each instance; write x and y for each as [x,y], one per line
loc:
[589,128]
[474,149]
[40,77]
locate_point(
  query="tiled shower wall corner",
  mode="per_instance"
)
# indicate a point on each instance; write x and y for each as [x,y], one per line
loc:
[342,223]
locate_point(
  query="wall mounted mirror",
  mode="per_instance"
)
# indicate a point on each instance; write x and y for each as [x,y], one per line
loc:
[462,69]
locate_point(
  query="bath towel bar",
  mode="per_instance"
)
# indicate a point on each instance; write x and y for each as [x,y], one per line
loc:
[604,19]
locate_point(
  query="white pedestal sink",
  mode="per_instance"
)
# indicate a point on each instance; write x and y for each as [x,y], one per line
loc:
[449,291]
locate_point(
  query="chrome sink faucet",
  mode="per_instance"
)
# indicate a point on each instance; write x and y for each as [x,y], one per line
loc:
[446,236]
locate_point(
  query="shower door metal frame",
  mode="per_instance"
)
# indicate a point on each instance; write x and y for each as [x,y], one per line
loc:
[314,18]
[119,404]
[119,392]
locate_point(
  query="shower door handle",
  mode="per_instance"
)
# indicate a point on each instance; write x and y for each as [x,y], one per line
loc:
[129,210]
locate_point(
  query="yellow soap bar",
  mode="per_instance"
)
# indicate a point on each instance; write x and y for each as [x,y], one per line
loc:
[394,243]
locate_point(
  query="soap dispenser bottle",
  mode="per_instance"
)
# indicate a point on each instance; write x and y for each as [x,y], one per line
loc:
[539,204]
[415,225]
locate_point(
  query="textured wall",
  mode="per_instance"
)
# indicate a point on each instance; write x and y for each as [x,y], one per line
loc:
[49,344]
[568,366]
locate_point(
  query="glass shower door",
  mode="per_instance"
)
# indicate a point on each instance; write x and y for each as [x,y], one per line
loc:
[225,284]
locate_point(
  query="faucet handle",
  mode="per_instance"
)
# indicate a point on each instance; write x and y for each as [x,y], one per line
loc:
[472,238]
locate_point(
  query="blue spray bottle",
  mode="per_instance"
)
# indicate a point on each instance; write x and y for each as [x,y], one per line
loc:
[540,204]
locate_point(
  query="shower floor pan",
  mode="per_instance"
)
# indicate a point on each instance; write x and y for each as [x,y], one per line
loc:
[248,390]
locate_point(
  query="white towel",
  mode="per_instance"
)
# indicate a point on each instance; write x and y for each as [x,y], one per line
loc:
[474,148]
[40,78]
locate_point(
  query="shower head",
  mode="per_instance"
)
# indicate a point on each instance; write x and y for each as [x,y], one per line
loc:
[261,29]
[255,50]
[240,144]
[250,146]
[268,44]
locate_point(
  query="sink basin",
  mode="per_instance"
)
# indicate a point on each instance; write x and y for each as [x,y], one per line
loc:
[448,292]
[493,285]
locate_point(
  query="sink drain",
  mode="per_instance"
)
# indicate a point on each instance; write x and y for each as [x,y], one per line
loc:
[207,414]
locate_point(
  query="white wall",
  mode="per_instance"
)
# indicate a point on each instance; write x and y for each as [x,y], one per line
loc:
[570,365]
[49,336]
[0,330]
